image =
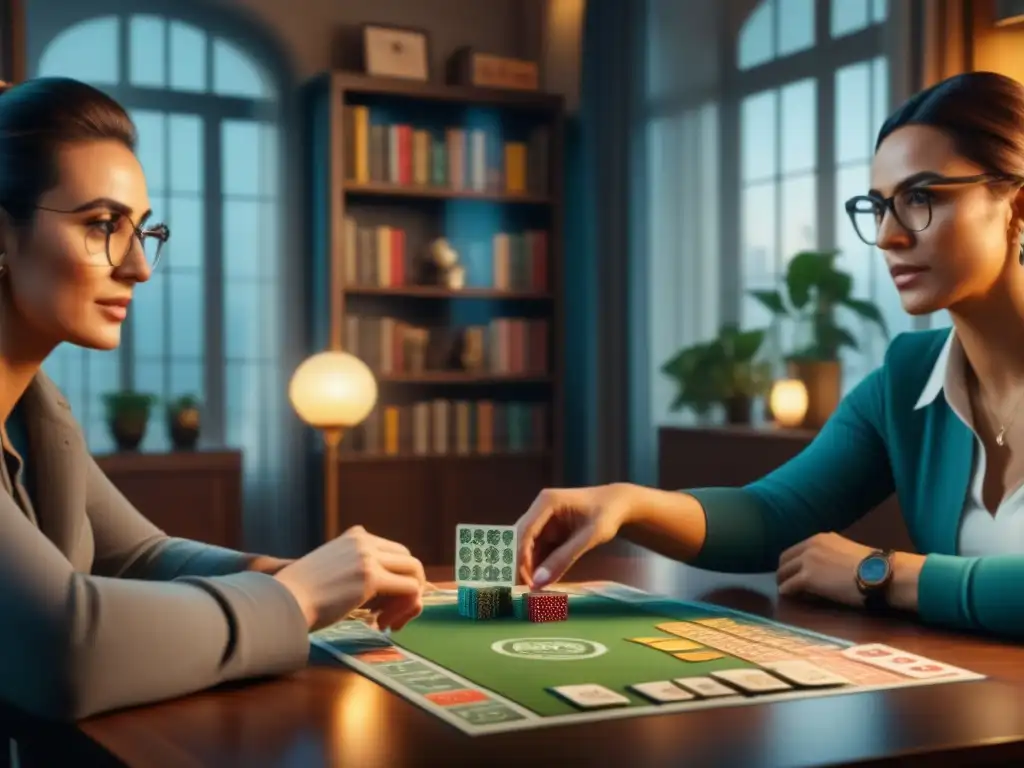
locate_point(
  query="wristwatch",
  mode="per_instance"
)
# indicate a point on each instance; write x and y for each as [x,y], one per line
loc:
[873,576]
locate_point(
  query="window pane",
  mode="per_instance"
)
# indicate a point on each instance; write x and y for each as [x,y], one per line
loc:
[796,25]
[188,57]
[270,296]
[185,146]
[799,213]
[87,51]
[759,260]
[757,123]
[854,136]
[149,378]
[147,57]
[879,10]
[240,143]
[879,93]
[242,244]
[186,378]
[242,398]
[235,73]
[270,251]
[104,375]
[850,181]
[187,313]
[757,39]
[152,130]
[799,105]
[243,339]
[270,156]
[185,219]
[97,433]
[147,315]
[848,16]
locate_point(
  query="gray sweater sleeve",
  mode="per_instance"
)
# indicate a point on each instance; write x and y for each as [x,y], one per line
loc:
[76,644]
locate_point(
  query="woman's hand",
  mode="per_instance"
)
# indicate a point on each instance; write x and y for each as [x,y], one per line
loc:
[355,570]
[825,566]
[562,524]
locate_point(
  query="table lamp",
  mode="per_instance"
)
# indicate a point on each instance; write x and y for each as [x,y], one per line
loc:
[332,392]
[788,402]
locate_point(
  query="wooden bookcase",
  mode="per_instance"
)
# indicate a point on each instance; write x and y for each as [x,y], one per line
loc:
[468,426]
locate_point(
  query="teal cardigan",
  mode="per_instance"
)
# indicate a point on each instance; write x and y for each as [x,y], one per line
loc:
[874,444]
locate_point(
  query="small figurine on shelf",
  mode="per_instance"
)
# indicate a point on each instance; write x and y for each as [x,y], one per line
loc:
[441,266]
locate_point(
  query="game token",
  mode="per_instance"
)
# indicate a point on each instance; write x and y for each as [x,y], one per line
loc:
[590,696]
[752,680]
[662,691]
[705,687]
[805,674]
[547,606]
[479,602]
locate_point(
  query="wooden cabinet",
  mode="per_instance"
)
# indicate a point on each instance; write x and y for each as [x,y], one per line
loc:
[194,495]
[734,456]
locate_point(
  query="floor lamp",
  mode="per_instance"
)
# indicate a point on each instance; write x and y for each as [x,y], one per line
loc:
[332,392]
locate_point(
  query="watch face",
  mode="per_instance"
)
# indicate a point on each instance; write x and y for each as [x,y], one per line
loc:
[874,570]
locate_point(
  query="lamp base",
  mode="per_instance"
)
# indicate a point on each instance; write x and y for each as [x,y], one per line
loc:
[333,436]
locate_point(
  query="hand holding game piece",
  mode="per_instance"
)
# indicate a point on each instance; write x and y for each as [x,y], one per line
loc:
[563,524]
[357,569]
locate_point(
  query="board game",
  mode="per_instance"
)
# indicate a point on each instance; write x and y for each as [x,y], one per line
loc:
[615,652]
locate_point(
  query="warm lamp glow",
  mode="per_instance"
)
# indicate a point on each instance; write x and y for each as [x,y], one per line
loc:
[788,401]
[333,391]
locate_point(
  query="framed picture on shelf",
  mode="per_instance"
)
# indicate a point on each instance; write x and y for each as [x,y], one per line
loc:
[396,52]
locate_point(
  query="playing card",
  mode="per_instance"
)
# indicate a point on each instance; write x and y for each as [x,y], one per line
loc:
[649,640]
[693,656]
[486,555]
[674,646]
[662,691]
[705,687]
[871,653]
[590,696]
[752,680]
[805,674]
[918,667]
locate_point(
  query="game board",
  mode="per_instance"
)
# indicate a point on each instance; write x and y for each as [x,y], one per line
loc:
[499,675]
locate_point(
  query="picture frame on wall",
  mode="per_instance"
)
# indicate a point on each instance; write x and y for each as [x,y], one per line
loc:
[396,52]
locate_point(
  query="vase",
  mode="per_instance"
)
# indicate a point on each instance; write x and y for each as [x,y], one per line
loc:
[824,382]
[183,426]
[128,430]
[737,410]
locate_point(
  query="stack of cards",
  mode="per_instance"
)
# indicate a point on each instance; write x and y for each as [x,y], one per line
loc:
[590,696]
[486,555]
[907,664]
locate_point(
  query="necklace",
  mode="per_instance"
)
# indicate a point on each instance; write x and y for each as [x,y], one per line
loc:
[1001,434]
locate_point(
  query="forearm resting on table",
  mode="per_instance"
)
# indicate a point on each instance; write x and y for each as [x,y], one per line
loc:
[670,523]
[906,574]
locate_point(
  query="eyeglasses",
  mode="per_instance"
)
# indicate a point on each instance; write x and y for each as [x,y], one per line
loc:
[911,207]
[114,238]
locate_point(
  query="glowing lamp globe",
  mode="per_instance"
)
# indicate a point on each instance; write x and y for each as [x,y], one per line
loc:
[333,391]
[788,401]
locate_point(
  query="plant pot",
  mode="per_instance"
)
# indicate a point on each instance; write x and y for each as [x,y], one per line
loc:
[128,430]
[183,426]
[824,382]
[737,410]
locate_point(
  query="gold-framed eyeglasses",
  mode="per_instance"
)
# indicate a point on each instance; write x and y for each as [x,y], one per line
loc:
[113,238]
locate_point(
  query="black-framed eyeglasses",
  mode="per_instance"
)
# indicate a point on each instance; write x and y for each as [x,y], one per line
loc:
[911,207]
[114,238]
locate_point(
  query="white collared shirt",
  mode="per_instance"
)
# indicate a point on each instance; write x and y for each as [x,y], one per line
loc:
[981,532]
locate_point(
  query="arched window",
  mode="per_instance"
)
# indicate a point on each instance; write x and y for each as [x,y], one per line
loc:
[209,321]
[811,86]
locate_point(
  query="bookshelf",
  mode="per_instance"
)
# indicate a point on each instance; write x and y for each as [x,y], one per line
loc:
[468,425]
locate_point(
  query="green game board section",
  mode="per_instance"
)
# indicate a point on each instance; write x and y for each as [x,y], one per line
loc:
[464,647]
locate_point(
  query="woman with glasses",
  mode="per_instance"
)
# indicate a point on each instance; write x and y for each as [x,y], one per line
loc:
[939,423]
[99,608]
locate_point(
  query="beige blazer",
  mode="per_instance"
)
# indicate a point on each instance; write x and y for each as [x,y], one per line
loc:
[100,609]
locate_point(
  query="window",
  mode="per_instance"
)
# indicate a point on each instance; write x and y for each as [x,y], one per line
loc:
[807,128]
[209,321]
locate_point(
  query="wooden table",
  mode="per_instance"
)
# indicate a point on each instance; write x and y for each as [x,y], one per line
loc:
[328,716]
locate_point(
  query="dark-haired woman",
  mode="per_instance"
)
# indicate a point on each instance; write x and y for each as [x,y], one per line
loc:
[100,609]
[940,423]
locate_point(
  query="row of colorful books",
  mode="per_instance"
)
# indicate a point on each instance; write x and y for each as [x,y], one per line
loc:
[504,347]
[459,158]
[380,257]
[451,427]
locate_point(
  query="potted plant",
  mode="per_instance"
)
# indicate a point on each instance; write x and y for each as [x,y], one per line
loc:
[813,288]
[183,422]
[128,416]
[723,371]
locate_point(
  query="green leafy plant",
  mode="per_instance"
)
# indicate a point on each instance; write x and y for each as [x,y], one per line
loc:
[814,288]
[719,371]
[128,405]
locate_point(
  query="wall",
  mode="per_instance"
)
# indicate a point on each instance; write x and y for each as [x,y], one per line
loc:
[996,49]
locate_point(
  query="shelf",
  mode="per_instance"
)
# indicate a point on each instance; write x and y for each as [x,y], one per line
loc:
[355,457]
[439,292]
[383,189]
[455,94]
[458,377]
